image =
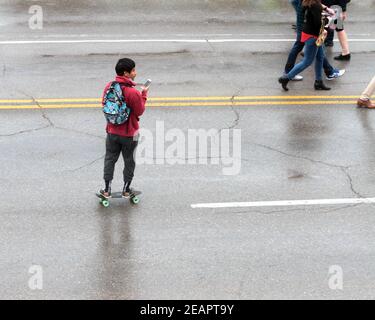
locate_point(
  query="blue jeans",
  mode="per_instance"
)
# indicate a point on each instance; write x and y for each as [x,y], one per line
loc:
[294,4]
[297,48]
[312,52]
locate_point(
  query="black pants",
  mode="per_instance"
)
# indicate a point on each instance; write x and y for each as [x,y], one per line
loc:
[114,146]
[330,35]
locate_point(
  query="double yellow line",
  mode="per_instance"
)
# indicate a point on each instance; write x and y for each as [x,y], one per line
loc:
[214,101]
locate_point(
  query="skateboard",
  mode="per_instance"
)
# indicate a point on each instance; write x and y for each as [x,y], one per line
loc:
[118,195]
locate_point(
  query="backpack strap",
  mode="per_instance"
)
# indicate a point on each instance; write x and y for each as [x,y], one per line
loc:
[122,86]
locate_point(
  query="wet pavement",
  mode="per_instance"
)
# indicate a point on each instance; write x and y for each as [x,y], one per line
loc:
[52,159]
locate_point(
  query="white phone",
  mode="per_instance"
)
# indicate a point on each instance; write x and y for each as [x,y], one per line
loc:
[147,84]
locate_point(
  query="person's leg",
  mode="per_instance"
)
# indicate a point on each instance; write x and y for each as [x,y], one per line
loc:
[331,72]
[364,101]
[310,53]
[327,67]
[292,58]
[294,3]
[319,85]
[329,40]
[113,150]
[369,91]
[343,38]
[319,64]
[129,145]
[319,59]
[308,59]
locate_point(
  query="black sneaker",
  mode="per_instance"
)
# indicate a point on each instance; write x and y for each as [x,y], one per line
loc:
[343,58]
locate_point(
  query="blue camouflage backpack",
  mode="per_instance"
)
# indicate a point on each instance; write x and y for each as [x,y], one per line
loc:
[114,105]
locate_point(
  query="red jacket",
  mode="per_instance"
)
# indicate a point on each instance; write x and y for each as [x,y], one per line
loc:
[135,101]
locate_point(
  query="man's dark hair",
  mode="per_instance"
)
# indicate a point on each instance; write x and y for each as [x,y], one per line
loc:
[124,65]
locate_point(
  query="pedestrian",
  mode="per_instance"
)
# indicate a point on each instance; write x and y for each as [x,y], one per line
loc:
[123,138]
[330,72]
[341,33]
[312,29]
[364,101]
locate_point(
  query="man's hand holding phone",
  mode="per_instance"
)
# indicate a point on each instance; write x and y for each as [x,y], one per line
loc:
[146,86]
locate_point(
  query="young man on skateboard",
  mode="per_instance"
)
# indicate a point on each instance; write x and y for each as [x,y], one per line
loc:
[123,138]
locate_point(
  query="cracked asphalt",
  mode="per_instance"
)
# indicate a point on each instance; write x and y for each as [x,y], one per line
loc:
[52,159]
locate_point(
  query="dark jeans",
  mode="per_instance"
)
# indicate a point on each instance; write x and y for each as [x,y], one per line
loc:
[297,48]
[294,4]
[330,35]
[312,52]
[114,146]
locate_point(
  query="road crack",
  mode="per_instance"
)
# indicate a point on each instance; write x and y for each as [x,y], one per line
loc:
[44,115]
[86,165]
[343,169]
[236,113]
[24,131]
[237,93]
[80,132]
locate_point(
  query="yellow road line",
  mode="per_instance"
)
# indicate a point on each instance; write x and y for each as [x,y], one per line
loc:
[250,98]
[77,100]
[192,104]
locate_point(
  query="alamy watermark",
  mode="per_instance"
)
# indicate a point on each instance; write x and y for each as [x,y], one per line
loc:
[36,280]
[191,147]
[336,278]
[338,22]
[36,19]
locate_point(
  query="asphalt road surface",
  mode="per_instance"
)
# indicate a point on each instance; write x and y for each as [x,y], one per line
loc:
[207,227]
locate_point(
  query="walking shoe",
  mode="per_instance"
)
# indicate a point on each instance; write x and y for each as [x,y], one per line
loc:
[297,78]
[319,85]
[343,58]
[128,193]
[365,103]
[335,75]
[284,83]
[105,194]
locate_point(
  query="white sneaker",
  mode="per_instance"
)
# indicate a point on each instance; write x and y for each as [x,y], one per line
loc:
[335,75]
[297,78]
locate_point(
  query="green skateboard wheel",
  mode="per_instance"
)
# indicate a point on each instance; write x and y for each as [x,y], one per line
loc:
[135,200]
[105,203]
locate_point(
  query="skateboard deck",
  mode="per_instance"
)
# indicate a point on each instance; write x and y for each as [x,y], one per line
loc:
[118,195]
